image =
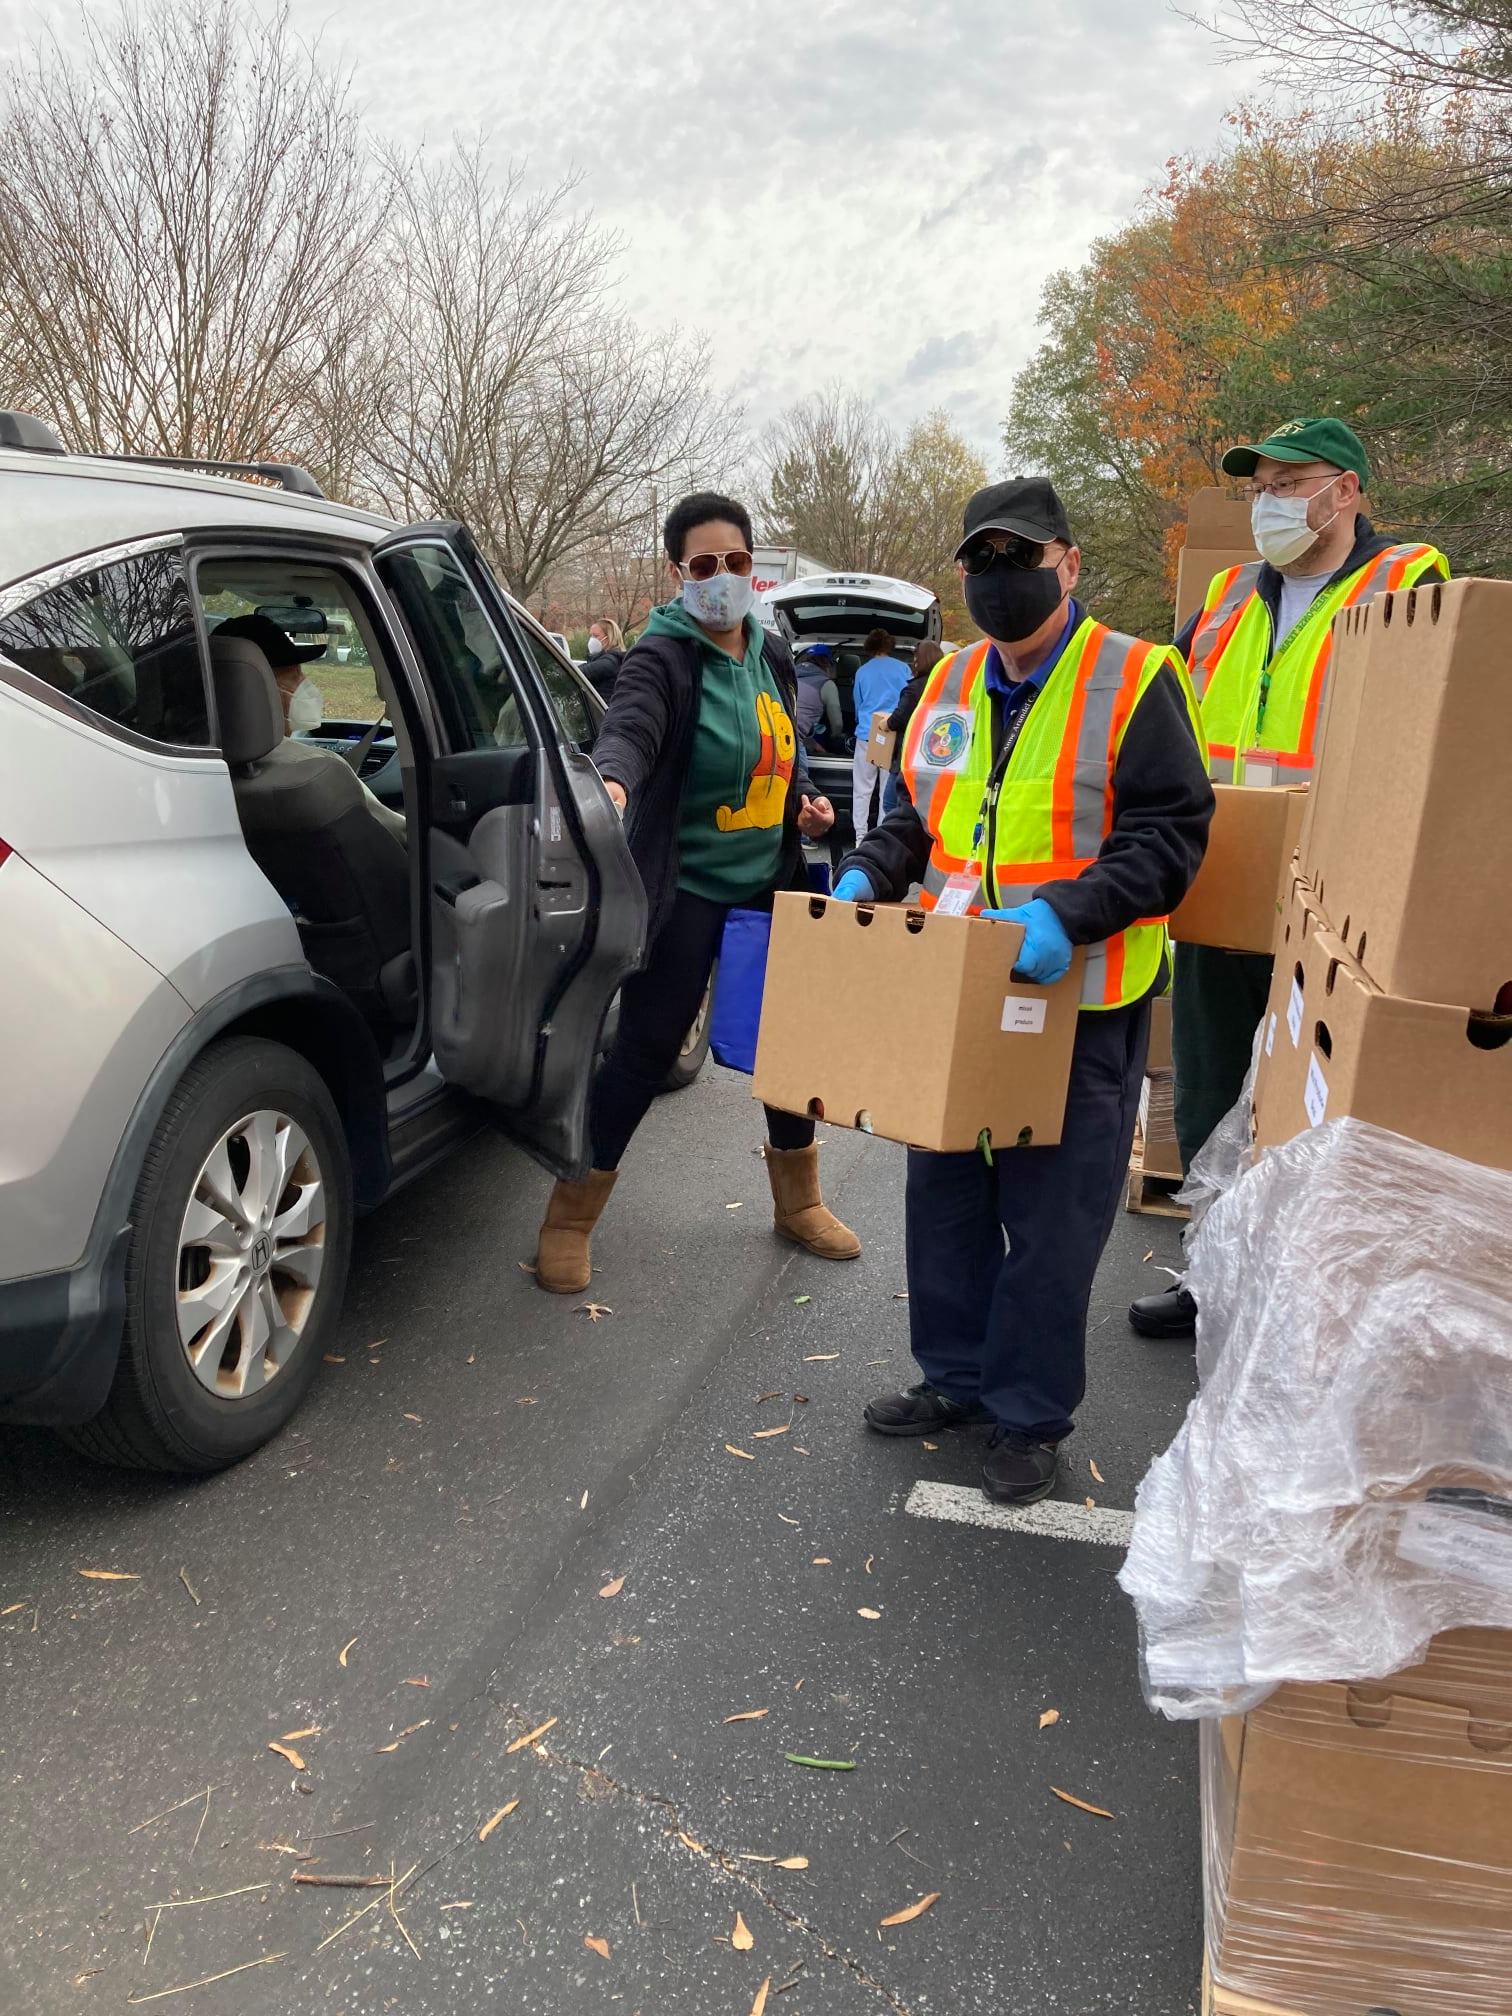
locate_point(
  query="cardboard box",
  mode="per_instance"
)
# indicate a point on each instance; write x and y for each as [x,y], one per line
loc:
[1159,1154]
[1239,896]
[1218,537]
[910,1025]
[1407,841]
[1357,1843]
[1333,1043]
[882,741]
[1159,1056]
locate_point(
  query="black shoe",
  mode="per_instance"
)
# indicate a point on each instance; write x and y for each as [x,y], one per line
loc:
[1172,1313]
[919,1410]
[1017,1471]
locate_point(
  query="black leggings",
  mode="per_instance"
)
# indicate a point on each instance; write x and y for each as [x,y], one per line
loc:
[657,1006]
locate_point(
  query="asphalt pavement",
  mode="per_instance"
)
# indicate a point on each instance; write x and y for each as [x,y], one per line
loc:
[497,1513]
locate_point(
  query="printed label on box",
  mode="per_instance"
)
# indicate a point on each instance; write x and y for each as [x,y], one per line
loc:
[1270,1034]
[1315,1097]
[1023,1015]
[1294,1014]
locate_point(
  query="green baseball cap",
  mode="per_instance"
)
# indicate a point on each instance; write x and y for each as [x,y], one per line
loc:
[1304,441]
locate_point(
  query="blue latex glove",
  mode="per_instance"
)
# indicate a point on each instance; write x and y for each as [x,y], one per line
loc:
[1045,955]
[853,887]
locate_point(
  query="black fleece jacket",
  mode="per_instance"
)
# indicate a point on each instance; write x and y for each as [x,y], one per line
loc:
[646,744]
[1162,807]
[1367,544]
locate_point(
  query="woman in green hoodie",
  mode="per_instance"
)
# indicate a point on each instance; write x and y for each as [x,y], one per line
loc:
[699,753]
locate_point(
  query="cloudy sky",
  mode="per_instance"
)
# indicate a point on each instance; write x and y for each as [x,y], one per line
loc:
[864,190]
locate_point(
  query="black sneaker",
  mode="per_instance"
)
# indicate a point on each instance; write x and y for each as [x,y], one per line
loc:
[1172,1313]
[1017,1471]
[919,1410]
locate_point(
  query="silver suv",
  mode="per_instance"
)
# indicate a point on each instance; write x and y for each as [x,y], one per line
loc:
[253,979]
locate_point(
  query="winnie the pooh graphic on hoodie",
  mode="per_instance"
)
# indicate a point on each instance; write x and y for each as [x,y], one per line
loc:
[744,750]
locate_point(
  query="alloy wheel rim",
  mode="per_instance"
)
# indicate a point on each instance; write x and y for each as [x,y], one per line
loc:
[250,1254]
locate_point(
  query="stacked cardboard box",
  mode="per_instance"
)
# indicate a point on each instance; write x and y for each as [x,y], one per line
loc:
[1242,889]
[1218,537]
[1158,1152]
[1396,953]
[1356,1844]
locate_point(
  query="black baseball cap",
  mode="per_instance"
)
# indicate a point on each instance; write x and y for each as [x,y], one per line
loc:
[1027,506]
[276,645]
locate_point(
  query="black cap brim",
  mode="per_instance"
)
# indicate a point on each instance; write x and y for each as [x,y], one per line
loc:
[1038,535]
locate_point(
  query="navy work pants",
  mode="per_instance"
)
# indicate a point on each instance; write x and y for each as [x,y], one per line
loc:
[1009,1327]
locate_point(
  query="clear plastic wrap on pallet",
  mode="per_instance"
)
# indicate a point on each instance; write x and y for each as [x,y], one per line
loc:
[1341,1489]
[1357,1850]
[1223,1157]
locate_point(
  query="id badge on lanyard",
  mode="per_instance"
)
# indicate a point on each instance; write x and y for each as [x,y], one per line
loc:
[962,890]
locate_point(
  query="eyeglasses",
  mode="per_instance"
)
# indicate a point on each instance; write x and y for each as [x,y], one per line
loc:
[1288,486]
[985,551]
[704,566]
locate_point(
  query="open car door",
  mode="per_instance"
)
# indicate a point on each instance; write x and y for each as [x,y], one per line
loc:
[536,911]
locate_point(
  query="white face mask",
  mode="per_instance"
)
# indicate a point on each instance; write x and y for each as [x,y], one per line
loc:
[1281,531]
[307,707]
[721,603]
[595,646]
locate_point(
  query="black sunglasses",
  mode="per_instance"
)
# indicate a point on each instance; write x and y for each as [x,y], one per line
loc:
[1015,552]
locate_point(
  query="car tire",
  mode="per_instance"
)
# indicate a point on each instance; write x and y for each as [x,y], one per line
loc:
[268,1272]
[694,1053]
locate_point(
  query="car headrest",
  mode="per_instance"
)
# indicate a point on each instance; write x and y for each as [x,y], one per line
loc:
[247,700]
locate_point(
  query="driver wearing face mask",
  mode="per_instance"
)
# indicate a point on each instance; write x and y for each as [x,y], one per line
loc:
[1259,652]
[1053,778]
[303,705]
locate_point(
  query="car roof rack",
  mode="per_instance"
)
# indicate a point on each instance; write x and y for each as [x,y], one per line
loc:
[24,430]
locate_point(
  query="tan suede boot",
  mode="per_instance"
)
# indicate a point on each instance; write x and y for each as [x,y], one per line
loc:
[799,1211]
[564,1262]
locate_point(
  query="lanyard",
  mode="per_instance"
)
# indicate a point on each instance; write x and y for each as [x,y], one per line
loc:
[987,817]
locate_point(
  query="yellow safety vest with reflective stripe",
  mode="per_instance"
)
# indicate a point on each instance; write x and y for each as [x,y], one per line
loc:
[1052,808]
[1261,712]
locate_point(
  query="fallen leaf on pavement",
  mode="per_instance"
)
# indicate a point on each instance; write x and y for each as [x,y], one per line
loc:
[414,1728]
[822,1358]
[419,1681]
[613,1588]
[822,1561]
[1091,1504]
[687,1840]
[332,1358]
[781,1515]
[932,1447]
[527,1742]
[744,1454]
[289,1756]
[1081,1805]
[297,1735]
[900,1295]
[1097,1474]
[755,1858]
[758,2007]
[599,1946]
[868,1561]
[503,1814]
[821,1763]
[1050,1717]
[907,1916]
[794,1862]
[762,1398]
[107,1575]
[799,1300]
[341,1656]
[766,1434]
[594,1310]
[11,1608]
[735,1207]
[874,1615]
[1148,1257]
[583,1502]
[414,1417]
[749,1715]
[742,1938]
[800,1399]
[385,1749]
[525,1266]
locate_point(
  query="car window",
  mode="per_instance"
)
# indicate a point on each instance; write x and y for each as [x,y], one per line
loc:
[320,613]
[566,694]
[465,661]
[120,640]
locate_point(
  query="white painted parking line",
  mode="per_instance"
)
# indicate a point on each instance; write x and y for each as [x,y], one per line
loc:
[1051,1519]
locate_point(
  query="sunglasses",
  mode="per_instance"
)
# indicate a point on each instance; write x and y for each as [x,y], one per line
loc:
[704,566]
[1014,552]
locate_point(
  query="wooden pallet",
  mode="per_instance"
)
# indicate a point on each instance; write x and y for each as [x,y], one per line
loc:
[1150,1194]
[1218,2001]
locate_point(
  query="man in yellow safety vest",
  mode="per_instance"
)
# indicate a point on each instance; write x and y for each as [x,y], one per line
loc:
[1053,776]
[1258,651]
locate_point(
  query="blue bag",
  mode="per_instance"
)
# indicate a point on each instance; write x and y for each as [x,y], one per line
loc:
[736,1014]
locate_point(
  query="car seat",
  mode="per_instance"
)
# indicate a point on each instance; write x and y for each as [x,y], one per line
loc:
[307,826]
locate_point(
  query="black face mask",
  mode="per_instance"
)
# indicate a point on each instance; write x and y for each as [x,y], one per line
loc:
[1011,603]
